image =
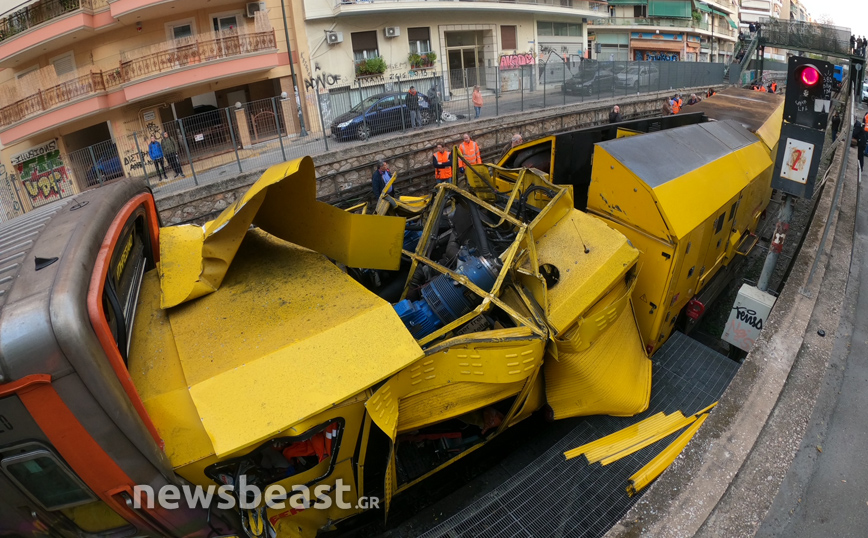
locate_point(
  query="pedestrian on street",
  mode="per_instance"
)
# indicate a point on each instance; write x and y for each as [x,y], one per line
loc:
[615,115]
[413,107]
[477,101]
[442,161]
[170,150]
[470,150]
[434,103]
[836,125]
[155,152]
[380,179]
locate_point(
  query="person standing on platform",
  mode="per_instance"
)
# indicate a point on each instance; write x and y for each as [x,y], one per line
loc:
[171,152]
[155,152]
[477,101]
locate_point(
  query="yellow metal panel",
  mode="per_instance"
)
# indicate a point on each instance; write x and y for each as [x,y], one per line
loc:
[450,401]
[94,517]
[770,131]
[642,434]
[612,377]
[584,277]
[313,332]
[618,194]
[156,371]
[632,431]
[655,467]
[672,428]
[283,202]
[692,199]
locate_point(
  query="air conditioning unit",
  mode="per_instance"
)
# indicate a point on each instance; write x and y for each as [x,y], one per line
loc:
[334,38]
[392,31]
[253,7]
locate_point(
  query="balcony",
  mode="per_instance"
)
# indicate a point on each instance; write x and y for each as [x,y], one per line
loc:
[721,30]
[364,7]
[54,22]
[42,100]
[128,11]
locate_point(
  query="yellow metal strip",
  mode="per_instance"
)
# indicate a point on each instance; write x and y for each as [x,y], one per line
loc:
[655,467]
[643,434]
[612,438]
[686,421]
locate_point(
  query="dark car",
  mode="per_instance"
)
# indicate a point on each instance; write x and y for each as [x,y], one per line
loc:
[379,113]
[590,79]
[107,167]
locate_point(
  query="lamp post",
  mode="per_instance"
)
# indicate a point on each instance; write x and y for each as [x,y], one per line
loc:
[292,72]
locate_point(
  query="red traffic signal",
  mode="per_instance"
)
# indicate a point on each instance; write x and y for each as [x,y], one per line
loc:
[809,76]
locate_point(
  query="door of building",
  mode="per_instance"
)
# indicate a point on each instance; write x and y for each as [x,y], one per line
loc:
[465,59]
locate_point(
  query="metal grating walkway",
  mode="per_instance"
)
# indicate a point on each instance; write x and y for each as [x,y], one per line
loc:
[555,497]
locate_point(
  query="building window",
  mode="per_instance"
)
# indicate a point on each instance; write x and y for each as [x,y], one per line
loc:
[420,40]
[640,11]
[27,71]
[180,29]
[508,40]
[63,64]
[364,45]
[225,23]
[558,29]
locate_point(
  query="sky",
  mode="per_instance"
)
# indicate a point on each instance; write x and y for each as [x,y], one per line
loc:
[851,14]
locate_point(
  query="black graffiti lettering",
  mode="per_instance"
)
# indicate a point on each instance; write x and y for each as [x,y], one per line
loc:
[748,316]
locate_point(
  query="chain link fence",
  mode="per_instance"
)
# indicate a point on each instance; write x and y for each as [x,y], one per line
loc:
[247,137]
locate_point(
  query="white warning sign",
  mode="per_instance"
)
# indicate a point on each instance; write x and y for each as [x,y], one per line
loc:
[797,160]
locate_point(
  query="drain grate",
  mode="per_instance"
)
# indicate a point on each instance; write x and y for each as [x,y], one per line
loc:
[556,497]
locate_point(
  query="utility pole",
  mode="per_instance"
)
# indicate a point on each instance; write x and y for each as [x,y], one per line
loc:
[292,72]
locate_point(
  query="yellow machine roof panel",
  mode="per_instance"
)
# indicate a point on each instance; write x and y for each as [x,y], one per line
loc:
[262,353]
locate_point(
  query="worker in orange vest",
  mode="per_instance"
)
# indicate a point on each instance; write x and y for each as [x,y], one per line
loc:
[442,161]
[676,103]
[470,150]
[774,87]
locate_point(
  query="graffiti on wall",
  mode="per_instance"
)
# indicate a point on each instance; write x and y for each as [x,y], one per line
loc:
[45,178]
[8,200]
[515,61]
[317,78]
[656,56]
[133,161]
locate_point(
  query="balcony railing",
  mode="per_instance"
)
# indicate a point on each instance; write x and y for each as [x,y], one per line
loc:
[583,5]
[134,65]
[188,52]
[719,28]
[40,12]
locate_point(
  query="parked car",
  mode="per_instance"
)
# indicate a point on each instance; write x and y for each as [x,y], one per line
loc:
[590,79]
[638,76]
[865,92]
[379,113]
[107,167]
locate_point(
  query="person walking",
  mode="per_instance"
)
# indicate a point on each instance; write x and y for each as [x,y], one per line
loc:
[477,101]
[155,152]
[434,103]
[615,115]
[836,125]
[442,161]
[470,150]
[413,107]
[170,150]
[379,179]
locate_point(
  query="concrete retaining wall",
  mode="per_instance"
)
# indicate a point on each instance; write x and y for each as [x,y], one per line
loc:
[342,169]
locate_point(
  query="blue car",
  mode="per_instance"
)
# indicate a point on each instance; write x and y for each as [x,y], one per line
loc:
[381,113]
[107,167]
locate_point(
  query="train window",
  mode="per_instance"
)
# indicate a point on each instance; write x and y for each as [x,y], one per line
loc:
[46,480]
[733,209]
[718,225]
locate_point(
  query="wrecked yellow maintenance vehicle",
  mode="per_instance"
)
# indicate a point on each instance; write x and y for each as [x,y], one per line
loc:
[290,343]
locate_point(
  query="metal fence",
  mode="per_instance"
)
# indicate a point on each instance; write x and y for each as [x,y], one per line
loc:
[224,142]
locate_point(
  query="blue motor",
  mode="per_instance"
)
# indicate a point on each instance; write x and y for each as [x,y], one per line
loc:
[444,300]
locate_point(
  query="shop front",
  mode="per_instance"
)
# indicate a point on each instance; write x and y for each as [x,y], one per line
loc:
[653,47]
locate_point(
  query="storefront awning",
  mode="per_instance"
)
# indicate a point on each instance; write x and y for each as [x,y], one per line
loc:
[628,2]
[657,45]
[701,6]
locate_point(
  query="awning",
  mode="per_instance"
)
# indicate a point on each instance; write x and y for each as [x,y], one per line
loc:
[628,2]
[669,8]
[702,7]
[731,22]
[656,44]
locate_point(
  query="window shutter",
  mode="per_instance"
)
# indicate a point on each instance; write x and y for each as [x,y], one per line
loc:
[508,38]
[418,34]
[364,41]
[65,64]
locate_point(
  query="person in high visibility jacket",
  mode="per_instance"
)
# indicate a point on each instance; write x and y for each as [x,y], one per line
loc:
[470,150]
[774,87]
[676,103]
[442,161]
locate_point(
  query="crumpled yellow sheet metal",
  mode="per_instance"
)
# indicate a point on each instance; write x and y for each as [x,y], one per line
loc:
[287,335]
[194,260]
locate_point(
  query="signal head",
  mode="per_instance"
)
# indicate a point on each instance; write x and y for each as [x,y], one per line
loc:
[809,76]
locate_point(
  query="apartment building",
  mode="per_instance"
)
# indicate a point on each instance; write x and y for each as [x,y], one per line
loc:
[74,73]
[375,42]
[667,30]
